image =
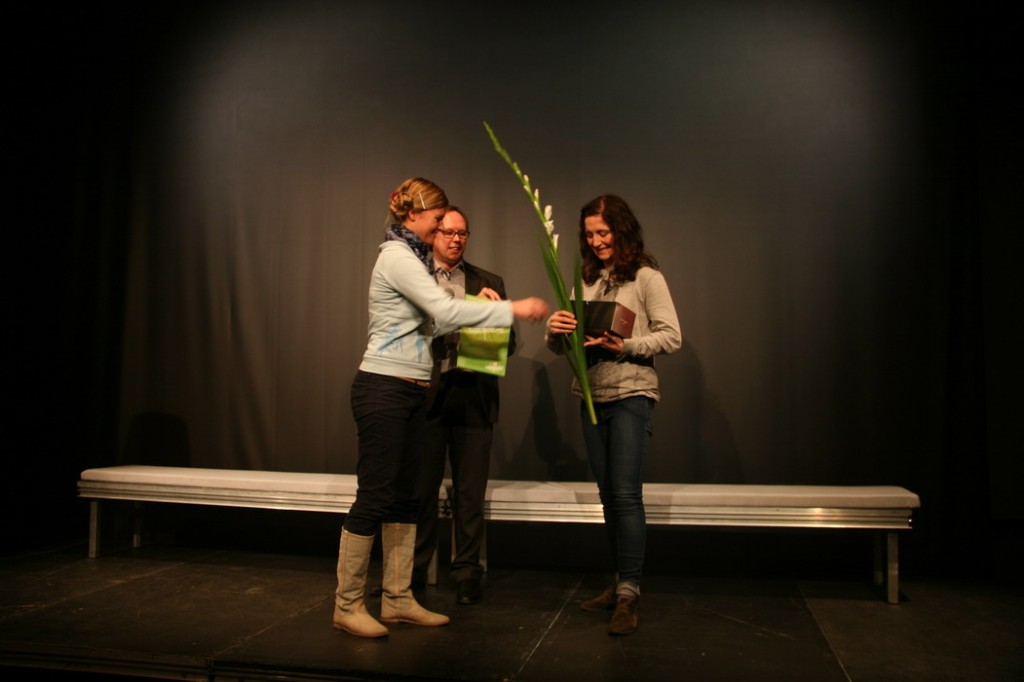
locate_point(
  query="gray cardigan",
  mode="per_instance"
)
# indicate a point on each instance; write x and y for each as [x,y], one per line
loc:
[655,332]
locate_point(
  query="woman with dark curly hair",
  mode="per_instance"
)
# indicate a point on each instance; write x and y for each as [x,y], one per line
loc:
[624,387]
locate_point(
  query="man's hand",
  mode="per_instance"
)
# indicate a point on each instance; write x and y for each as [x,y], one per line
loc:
[489,294]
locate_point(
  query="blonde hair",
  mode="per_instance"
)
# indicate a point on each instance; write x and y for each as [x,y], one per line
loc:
[416,194]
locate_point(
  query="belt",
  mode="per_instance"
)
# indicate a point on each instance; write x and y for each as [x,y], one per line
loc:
[418,382]
[596,355]
[459,377]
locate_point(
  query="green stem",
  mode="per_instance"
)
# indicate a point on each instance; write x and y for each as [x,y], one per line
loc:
[572,347]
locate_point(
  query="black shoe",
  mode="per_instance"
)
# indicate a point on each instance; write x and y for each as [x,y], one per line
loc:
[469,592]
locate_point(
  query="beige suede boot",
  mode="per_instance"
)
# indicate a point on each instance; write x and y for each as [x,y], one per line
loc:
[350,612]
[398,605]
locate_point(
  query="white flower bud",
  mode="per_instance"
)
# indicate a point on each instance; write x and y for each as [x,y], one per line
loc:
[547,212]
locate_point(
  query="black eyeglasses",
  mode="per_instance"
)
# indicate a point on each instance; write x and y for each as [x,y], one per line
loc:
[452,234]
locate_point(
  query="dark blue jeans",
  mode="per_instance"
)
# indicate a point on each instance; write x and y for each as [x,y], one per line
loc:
[617,448]
[389,414]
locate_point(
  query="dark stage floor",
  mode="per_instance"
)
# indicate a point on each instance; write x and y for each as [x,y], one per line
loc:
[175,611]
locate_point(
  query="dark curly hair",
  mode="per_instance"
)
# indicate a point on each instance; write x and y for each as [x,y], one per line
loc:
[629,255]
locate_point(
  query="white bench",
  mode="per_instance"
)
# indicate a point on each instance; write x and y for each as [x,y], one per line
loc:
[285,490]
[884,509]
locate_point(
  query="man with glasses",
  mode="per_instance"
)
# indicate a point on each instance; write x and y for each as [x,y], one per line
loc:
[460,420]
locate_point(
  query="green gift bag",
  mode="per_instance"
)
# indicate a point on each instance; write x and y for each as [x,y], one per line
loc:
[483,349]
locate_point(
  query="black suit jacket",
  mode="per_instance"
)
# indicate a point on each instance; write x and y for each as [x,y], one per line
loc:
[487,384]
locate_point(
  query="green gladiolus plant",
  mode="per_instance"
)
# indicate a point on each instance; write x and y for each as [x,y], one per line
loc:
[548,241]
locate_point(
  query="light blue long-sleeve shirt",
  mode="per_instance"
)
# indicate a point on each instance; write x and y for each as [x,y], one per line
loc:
[407,309]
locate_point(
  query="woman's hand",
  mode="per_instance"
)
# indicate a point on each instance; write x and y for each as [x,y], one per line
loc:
[562,322]
[533,308]
[607,341]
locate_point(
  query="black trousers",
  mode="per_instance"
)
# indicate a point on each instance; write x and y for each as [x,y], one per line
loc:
[459,433]
[389,414]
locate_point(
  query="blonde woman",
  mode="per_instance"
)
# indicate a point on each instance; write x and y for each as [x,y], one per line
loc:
[406,309]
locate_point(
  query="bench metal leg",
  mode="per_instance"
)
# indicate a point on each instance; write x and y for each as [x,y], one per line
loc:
[137,526]
[94,529]
[483,549]
[892,555]
[887,565]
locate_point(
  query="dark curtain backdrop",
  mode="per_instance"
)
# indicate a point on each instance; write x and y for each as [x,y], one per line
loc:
[774,153]
[807,174]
